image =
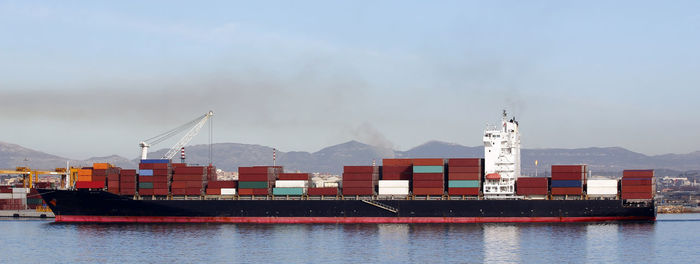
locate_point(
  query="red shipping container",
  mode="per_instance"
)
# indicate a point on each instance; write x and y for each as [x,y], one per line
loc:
[532,190]
[359,169]
[246,191]
[397,176]
[645,196]
[113,190]
[127,187]
[397,162]
[178,191]
[90,184]
[252,170]
[145,178]
[464,176]
[128,172]
[464,170]
[213,191]
[428,162]
[635,181]
[463,191]
[464,162]
[127,192]
[99,178]
[568,176]
[179,184]
[534,182]
[358,191]
[637,189]
[567,191]
[146,192]
[323,191]
[294,176]
[222,184]
[193,184]
[428,184]
[201,170]
[428,177]
[112,183]
[359,176]
[127,178]
[99,172]
[638,173]
[403,169]
[193,191]
[568,168]
[358,184]
[187,177]
[153,166]
[428,191]
[160,191]
[178,165]
[254,177]
[160,185]
[160,172]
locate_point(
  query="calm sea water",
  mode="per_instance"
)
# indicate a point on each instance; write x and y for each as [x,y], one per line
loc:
[672,239]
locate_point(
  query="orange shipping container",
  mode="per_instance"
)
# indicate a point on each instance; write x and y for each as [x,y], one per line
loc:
[101,166]
[84,172]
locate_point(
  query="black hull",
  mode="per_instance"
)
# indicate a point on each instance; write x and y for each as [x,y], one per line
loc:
[100,206]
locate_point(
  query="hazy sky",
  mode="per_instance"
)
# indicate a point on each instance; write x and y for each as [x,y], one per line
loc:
[93,78]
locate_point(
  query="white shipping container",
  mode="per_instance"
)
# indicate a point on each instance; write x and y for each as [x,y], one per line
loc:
[393,191]
[602,183]
[292,184]
[393,184]
[4,196]
[228,191]
[330,184]
[601,190]
[20,190]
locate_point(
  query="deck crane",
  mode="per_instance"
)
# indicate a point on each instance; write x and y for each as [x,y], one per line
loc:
[194,127]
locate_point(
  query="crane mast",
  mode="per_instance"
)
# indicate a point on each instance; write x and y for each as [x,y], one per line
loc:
[194,127]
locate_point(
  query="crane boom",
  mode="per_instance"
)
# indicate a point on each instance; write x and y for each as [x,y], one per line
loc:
[194,130]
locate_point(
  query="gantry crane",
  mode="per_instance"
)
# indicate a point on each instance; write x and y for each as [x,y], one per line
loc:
[194,127]
[29,176]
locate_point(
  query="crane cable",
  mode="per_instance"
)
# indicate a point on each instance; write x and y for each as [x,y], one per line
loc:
[163,136]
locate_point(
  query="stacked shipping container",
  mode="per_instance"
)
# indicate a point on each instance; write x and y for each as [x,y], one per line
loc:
[428,176]
[221,187]
[397,169]
[154,176]
[464,176]
[188,180]
[291,184]
[532,186]
[394,187]
[257,180]
[86,180]
[637,184]
[127,182]
[568,179]
[360,180]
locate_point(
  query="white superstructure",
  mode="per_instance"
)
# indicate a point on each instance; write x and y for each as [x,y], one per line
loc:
[501,158]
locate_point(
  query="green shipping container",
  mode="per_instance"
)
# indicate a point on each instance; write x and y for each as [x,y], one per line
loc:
[287,191]
[428,169]
[34,201]
[145,185]
[463,184]
[252,185]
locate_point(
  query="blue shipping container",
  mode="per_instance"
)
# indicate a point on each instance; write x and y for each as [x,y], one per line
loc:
[155,161]
[565,184]
[146,172]
[287,191]
[428,169]
[463,184]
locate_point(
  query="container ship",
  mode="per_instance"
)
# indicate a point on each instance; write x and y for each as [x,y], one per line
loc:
[437,190]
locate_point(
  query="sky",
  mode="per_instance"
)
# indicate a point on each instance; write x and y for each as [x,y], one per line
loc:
[83,79]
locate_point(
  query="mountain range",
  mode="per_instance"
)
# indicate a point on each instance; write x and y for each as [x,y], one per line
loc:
[229,156]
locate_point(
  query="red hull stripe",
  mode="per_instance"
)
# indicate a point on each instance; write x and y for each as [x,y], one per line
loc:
[338,220]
